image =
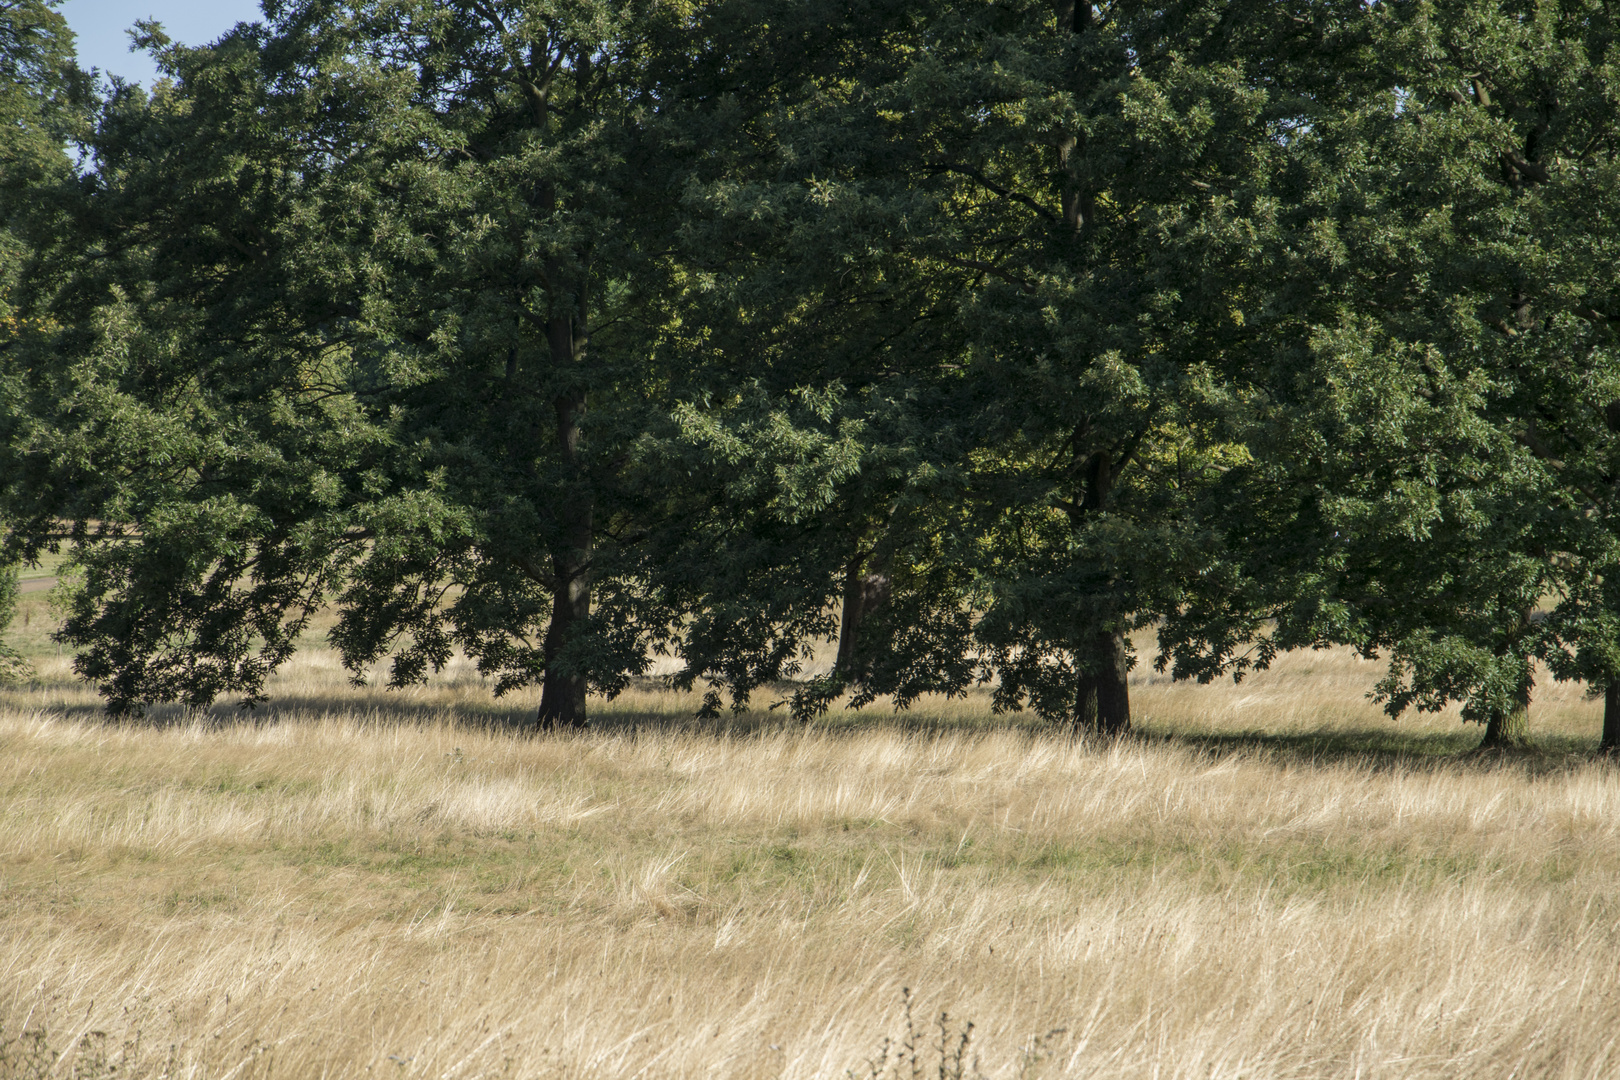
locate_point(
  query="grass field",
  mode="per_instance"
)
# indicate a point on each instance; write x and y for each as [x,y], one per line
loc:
[1271,881]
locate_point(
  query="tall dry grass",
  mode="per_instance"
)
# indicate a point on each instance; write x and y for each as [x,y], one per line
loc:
[1272,882]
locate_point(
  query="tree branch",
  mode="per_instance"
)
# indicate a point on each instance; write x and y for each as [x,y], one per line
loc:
[1004,192]
[994,271]
[533,572]
[1534,171]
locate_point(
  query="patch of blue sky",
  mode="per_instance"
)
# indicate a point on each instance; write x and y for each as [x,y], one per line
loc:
[101,29]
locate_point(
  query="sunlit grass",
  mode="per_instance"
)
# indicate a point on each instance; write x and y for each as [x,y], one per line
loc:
[1273,880]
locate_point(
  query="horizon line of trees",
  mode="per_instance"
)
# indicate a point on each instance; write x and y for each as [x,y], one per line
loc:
[973,336]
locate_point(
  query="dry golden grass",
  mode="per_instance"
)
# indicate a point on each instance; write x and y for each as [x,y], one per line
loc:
[1272,882]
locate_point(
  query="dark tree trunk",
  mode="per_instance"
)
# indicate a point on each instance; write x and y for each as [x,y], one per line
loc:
[863,593]
[1510,729]
[1611,719]
[1079,208]
[1103,701]
[562,695]
[850,621]
[1102,698]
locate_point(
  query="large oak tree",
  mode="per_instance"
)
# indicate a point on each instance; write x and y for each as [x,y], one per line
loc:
[357,305]
[1433,458]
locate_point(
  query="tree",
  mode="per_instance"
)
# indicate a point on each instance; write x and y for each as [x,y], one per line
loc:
[1434,448]
[42,94]
[392,304]
[355,307]
[566,334]
[996,266]
[823,427]
[1098,179]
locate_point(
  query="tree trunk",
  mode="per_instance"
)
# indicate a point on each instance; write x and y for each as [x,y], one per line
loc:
[1510,729]
[562,696]
[1103,701]
[850,622]
[864,593]
[1103,698]
[1079,207]
[1611,719]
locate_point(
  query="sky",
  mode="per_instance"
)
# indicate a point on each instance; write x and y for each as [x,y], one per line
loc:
[99,26]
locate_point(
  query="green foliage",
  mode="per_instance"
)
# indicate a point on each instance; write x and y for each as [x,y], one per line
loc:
[324,308]
[1431,457]
[42,94]
[1015,248]
[42,97]
[971,336]
[13,668]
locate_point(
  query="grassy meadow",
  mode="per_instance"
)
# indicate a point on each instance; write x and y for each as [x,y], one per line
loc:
[1272,880]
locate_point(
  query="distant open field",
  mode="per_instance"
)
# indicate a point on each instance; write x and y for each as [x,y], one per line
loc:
[1272,881]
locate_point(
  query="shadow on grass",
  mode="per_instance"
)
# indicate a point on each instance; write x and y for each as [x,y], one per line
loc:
[1370,747]
[1387,748]
[289,708]
[1377,748]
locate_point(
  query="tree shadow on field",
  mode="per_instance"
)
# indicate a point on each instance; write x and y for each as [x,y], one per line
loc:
[292,708]
[666,713]
[769,713]
[1385,748]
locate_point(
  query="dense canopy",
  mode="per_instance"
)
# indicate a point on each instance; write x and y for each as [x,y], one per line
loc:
[968,339]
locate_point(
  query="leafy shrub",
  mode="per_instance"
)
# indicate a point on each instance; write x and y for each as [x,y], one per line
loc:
[13,668]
